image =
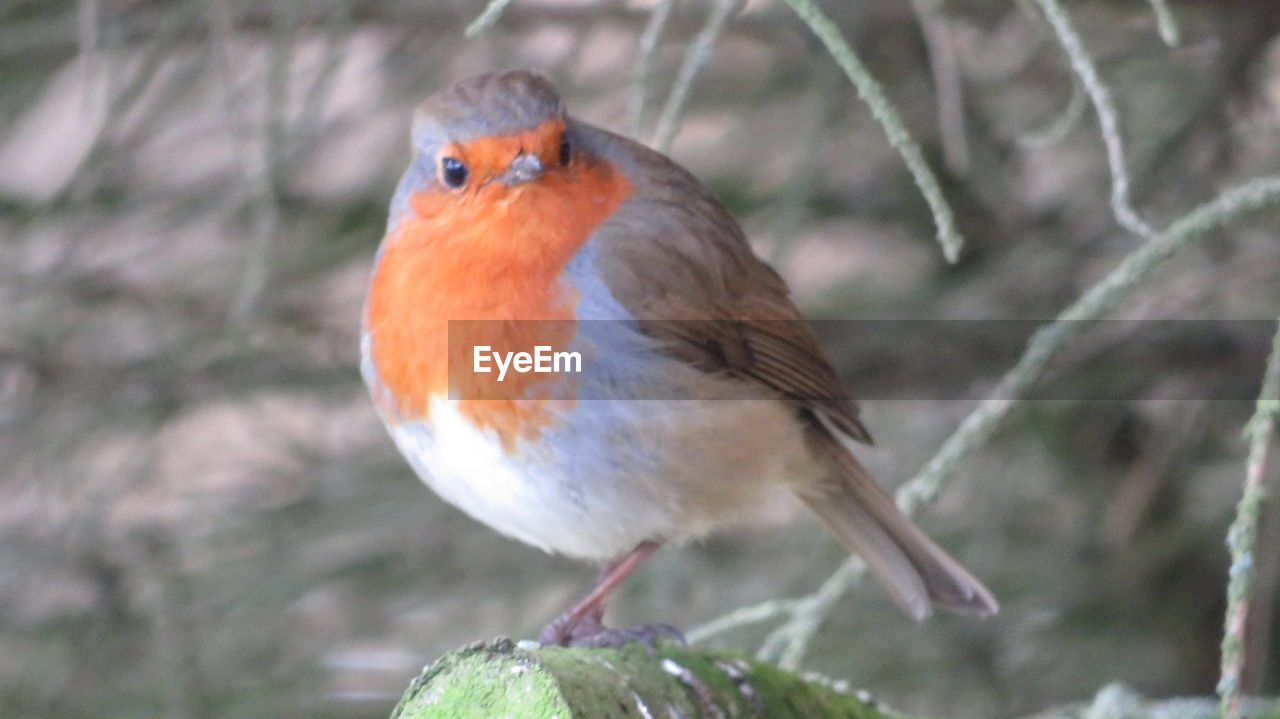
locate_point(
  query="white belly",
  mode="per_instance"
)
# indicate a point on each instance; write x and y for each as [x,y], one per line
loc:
[611,474]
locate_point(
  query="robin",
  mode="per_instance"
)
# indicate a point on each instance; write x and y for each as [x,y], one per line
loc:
[707,391]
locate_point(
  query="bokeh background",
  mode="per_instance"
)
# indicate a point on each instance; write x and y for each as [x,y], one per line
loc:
[201,517]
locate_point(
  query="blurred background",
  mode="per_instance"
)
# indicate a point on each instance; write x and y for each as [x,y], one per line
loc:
[200,515]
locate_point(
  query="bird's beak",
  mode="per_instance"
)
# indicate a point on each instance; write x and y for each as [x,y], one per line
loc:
[523,168]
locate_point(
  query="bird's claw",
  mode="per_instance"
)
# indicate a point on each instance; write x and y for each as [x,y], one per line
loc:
[615,637]
[596,636]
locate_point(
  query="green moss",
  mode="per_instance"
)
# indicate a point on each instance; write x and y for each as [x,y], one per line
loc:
[500,680]
[481,682]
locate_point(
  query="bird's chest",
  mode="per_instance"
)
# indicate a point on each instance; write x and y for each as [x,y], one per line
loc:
[609,474]
[446,320]
[636,446]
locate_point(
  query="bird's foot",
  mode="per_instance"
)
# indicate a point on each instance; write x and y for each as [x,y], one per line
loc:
[594,635]
[615,637]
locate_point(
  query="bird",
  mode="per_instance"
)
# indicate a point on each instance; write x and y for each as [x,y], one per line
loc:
[704,392]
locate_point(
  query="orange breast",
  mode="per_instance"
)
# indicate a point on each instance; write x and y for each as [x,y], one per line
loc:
[494,254]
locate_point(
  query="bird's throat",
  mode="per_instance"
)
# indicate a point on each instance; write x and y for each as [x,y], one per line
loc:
[496,256]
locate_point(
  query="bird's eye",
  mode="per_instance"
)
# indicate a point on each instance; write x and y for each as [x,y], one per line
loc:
[452,172]
[564,150]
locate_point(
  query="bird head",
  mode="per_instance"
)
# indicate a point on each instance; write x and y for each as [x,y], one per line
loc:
[492,133]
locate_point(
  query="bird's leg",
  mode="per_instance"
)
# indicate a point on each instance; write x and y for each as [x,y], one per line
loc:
[583,624]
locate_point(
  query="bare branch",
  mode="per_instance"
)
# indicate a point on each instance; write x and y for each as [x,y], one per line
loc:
[872,94]
[647,46]
[698,54]
[487,18]
[1166,23]
[1082,64]
[1242,538]
[946,80]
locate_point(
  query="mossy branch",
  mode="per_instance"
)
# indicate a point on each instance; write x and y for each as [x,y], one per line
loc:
[501,679]
[1108,118]
[1242,538]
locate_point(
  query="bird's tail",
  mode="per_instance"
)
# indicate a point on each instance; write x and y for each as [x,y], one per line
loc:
[917,573]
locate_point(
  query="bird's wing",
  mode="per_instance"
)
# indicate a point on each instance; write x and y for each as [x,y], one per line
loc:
[676,259]
[679,262]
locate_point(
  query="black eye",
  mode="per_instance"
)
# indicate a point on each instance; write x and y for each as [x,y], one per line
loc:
[452,172]
[564,150]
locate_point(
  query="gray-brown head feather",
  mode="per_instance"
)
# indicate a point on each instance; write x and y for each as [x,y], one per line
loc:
[494,103]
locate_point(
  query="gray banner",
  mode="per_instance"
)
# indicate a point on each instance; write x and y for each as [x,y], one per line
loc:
[876,359]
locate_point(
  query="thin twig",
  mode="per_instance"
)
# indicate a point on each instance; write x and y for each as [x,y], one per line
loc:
[257,168]
[122,88]
[698,54]
[745,616]
[872,94]
[1242,538]
[1257,648]
[646,47]
[946,80]
[487,18]
[1166,23]
[982,423]
[805,173]
[1082,64]
[789,643]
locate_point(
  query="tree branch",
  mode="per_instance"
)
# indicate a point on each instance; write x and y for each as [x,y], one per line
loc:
[1242,538]
[527,681]
[885,114]
[698,54]
[501,679]
[1108,120]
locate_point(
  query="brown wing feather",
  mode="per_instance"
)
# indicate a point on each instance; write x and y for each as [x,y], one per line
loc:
[723,310]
